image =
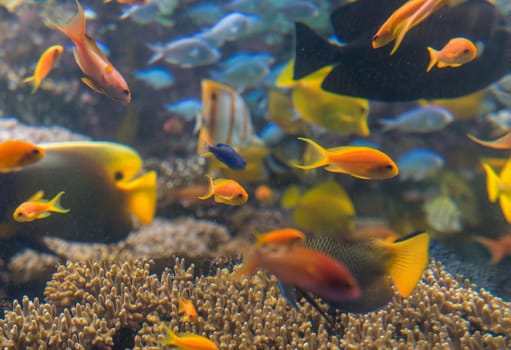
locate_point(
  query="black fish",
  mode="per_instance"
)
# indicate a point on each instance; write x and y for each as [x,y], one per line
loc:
[228,155]
[365,72]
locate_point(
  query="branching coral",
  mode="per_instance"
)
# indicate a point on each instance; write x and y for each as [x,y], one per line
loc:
[90,304]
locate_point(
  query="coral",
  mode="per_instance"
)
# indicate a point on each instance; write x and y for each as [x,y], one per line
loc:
[30,266]
[91,304]
[12,129]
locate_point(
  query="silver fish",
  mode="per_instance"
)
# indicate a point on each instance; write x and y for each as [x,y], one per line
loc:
[185,52]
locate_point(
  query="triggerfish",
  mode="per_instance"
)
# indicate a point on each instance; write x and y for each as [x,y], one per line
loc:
[225,118]
[38,208]
[358,161]
[100,75]
[225,191]
[44,65]
[499,187]
[104,184]
[372,261]
[282,236]
[305,269]
[187,341]
[361,71]
[455,53]
[16,154]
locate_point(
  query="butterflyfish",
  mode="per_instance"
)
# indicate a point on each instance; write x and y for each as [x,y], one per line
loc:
[100,75]
[17,154]
[499,187]
[457,52]
[44,65]
[225,191]
[305,269]
[357,161]
[224,118]
[372,261]
[187,341]
[104,183]
[36,208]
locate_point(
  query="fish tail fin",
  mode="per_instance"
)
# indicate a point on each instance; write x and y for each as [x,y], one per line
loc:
[29,79]
[34,80]
[495,249]
[505,206]
[312,52]
[319,157]
[410,258]
[258,236]
[141,196]
[290,197]
[387,124]
[433,59]
[55,205]
[75,28]
[492,183]
[170,337]
[158,53]
[211,188]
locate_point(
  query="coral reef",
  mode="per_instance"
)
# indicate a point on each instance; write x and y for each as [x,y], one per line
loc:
[10,128]
[114,305]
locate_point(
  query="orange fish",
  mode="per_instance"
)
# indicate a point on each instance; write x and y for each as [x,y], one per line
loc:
[455,53]
[187,341]
[225,191]
[503,142]
[100,74]
[264,194]
[410,14]
[358,161]
[306,269]
[44,65]
[15,154]
[187,307]
[38,208]
[281,236]
[498,248]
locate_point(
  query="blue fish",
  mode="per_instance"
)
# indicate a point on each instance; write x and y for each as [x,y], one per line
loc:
[419,164]
[158,78]
[227,155]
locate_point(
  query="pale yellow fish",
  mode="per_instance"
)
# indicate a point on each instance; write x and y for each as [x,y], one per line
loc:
[499,187]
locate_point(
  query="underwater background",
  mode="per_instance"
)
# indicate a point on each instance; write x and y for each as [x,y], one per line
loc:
[202,125]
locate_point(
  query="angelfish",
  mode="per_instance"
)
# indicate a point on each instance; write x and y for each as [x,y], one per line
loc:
[100,75]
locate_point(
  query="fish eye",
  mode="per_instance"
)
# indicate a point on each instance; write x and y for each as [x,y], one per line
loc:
[389,167]
[118,176]
[213,96]
[466,51]
[240,195]
[35,152]
[20,214]
[126,92]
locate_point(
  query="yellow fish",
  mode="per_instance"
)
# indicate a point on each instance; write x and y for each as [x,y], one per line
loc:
[225,191]
[186,341]
[325,208]
[36,208]
[100,75]
[462,108]
[44,65]
[336,113]
[16,154]
[358,161]
[499,187]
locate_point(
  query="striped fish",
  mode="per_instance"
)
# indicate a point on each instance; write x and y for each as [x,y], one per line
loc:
[225,118]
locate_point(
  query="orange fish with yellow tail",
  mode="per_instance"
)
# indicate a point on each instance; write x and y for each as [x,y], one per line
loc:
[44,65]
[282,236]
[16,154]
[457,52]
[38,208]
[187,341]
[225,191]
[358,161]
[100,75]
[305,269]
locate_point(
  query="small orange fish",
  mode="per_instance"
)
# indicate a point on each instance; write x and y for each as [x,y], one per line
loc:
[38,208]
[225,191]
[503,142]
[188,341]
[281,236]
[358,161]
[264,194]
[100,74]
[44,65]
[498,248]
[455,53]
[187,307]
[306,269]
[15,154]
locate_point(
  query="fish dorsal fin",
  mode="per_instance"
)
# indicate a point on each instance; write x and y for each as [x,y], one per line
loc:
[141,196]
[94,46]
[410,256]
[37,196]
[91,84]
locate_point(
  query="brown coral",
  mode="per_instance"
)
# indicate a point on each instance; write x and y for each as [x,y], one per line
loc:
[90,304]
